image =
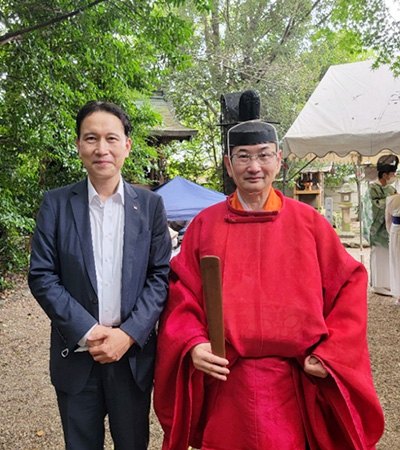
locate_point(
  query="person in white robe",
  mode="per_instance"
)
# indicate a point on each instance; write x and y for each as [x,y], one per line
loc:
[378,236]
[393,228]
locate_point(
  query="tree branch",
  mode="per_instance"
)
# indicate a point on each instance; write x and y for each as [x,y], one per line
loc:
[292,24]
[16,35]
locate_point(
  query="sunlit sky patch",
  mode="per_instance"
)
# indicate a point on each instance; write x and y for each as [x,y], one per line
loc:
[394,8]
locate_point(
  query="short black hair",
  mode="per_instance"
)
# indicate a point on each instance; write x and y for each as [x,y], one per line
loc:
[380,173]
[387,164]
[96,105]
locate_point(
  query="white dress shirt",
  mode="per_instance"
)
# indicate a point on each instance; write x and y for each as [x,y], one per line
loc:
[107,226]
[107,229]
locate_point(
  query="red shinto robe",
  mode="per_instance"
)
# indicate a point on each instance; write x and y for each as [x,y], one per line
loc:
[290,289]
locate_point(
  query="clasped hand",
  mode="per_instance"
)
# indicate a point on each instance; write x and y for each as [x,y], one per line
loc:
[108,345]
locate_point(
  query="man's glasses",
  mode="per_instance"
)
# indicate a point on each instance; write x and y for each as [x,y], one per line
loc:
[243,159]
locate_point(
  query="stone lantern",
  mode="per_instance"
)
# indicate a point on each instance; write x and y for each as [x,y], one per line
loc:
[345,205]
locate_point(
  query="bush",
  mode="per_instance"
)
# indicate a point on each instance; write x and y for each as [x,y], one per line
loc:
[15,232]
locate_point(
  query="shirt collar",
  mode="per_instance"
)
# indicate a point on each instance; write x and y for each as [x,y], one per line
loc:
[273,203]
[119,193]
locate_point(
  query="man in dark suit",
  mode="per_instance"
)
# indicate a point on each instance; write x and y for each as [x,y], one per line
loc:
[99,269]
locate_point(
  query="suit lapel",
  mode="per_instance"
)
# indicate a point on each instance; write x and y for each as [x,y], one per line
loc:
[80,211]
[131,230]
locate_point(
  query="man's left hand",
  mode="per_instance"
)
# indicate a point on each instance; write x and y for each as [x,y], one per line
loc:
[108,345]
[313,366]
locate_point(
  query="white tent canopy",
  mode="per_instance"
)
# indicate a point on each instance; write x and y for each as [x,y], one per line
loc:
[354,108]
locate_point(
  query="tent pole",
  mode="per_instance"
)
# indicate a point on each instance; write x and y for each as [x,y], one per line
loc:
[360,206]
[284,169]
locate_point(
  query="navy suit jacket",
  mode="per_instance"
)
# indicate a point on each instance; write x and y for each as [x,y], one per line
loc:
[62,278]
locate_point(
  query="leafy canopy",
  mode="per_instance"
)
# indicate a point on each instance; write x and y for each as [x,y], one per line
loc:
[54,57]
[281,49]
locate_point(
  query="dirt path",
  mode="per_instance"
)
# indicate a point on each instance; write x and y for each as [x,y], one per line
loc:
[28,412]
[29,417]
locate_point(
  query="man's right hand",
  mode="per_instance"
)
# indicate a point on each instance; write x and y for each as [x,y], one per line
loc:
[204,360]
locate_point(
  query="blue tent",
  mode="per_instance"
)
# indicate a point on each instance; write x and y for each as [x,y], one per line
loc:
[184,199]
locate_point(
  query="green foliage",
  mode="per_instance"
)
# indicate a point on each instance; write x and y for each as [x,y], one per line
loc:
[376,28]
[335,179]
[54,57]
[200,159]
[280,49]
[15,230]
[185,160]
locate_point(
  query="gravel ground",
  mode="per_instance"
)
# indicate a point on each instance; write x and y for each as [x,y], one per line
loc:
[28,412]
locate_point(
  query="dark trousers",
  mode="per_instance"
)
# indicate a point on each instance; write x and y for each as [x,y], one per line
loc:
[110,390]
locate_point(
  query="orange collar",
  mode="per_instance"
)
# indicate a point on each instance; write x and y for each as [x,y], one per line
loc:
[273,203]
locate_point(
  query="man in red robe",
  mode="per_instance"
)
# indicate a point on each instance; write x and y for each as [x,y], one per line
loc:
[297,373]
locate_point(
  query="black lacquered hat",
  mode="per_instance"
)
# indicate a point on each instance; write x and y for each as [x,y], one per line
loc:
[251,133]
[387,163]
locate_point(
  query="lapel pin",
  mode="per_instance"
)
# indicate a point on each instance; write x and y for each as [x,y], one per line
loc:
[135,207]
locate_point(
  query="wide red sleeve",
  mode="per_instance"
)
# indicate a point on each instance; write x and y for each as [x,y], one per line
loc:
[343,410]
[179,388]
